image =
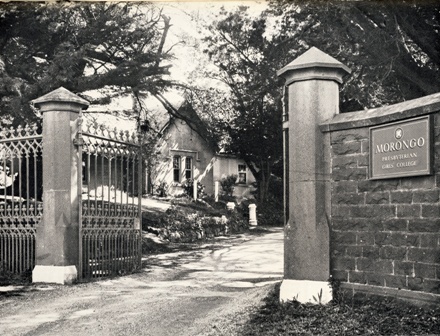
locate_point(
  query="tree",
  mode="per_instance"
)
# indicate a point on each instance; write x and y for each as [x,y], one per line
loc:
[215,108]
[247,63]
[392,47]
[116,48]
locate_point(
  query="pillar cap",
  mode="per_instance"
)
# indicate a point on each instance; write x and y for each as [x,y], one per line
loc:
[60,95]
[314,59]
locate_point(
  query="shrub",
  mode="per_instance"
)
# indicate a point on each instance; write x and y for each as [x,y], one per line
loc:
[208,199]
[188,188]
[237,223]
[227,198]
[228,184]
[7,277]
[270,213]
[219,205]
[162,189]
[178,225]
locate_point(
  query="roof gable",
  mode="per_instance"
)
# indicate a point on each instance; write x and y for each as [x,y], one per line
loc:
[187,114]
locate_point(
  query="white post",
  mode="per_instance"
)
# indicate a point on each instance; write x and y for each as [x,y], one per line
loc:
[253,214]
[195,189]
[216,190]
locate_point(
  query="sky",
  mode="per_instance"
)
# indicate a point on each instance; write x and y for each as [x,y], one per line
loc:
[187,19]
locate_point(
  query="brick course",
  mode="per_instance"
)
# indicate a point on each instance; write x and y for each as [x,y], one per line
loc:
[384,232]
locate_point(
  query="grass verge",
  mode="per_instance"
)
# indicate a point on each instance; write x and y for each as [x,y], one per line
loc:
[351,316]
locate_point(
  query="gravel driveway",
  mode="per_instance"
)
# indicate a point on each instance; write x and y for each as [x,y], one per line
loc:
[206,291]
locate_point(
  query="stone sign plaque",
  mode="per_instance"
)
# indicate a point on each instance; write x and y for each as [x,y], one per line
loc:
[401,149]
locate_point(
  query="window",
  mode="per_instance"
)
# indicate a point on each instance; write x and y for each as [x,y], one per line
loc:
[188,168]
[176,168]
[242,173]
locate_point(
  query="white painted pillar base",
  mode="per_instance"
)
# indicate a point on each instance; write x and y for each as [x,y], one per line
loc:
[305,291]
[252,214]
[195,189]
[54,274]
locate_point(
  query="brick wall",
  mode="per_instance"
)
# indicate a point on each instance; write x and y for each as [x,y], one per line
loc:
[385,232]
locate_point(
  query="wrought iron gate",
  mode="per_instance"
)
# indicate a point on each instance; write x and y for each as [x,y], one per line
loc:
[20,197]
[110,233]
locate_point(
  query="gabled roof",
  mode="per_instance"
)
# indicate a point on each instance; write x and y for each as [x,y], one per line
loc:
[187,114]
[153,110]
[159,117]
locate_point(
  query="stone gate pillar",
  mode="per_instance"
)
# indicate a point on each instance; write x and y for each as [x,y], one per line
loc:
[57,237]
[312,88]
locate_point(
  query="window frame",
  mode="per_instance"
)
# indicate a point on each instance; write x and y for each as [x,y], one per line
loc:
[176,170]
[189,170]
[242,173]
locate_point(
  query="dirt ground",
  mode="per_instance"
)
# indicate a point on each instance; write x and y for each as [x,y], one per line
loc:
[206,291]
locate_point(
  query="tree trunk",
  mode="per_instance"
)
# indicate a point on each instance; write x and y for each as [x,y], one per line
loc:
[262,176]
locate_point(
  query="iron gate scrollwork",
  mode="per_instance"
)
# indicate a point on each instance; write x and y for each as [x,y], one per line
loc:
[110,233]
[20,197]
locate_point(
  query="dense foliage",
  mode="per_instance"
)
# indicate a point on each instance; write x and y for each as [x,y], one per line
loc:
[116,48]
[271,211]
[392,47]
[190,221]
[188,188]
[228,184]
[247,63]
